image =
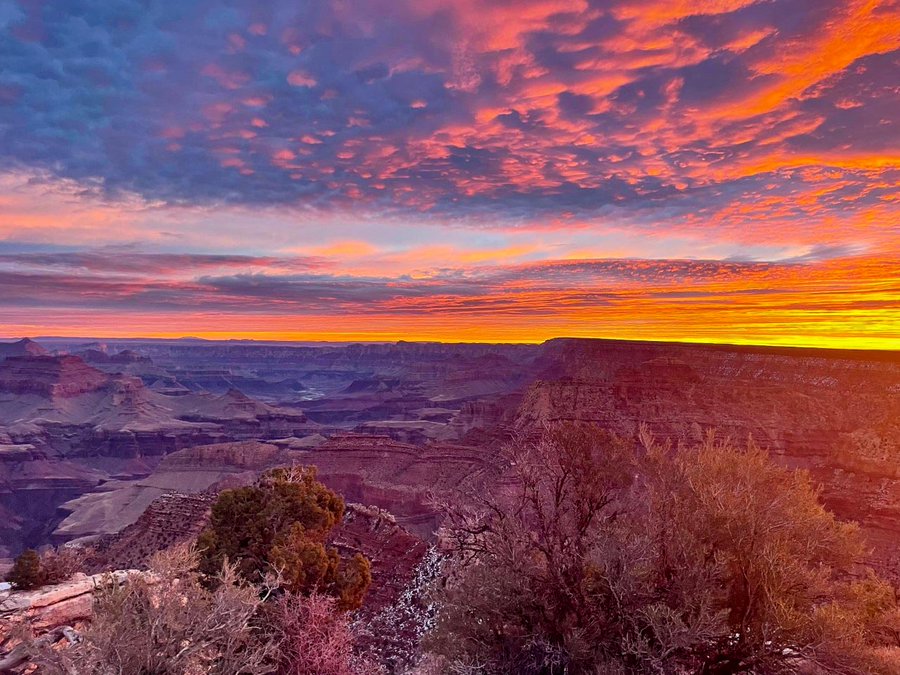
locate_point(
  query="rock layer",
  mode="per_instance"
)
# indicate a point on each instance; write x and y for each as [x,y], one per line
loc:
[835,414]
[68,603]
[427,416]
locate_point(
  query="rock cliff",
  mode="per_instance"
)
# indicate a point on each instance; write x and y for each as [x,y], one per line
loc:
[66,428]
[54,377]
[836,414]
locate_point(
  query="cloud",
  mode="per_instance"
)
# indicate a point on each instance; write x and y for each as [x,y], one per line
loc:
[242,282]
[119,262]
[447,110]
[402,149]
[665,299]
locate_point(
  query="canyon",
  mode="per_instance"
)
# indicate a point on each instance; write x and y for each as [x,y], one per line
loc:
[122,443]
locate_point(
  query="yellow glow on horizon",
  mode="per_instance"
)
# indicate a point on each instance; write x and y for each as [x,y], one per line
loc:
[851,303]
[472,334]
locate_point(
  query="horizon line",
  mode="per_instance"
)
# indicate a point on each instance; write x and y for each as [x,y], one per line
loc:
[299,341]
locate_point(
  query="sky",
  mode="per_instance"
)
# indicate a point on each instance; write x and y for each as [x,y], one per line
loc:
[503,170]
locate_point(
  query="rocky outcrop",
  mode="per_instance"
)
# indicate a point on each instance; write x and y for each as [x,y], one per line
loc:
[222,457]
[479,414]
[170,519]
[49,376]
[99,356]
[393,551]
[64,604]
[416,432]
[23,347]
[192,471]
[399,477]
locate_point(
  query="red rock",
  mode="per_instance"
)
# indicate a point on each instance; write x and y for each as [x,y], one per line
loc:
[174,518]
[49,376]
[65,604]
[835,414]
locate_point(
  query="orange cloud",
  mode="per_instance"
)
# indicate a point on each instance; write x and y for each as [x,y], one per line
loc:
[841,303]
[299,78]
[346,249]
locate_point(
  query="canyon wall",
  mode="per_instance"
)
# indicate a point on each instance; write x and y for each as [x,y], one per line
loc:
[835,414]
[393,425]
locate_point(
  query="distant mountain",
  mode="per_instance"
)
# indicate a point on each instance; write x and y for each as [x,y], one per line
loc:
[23,347]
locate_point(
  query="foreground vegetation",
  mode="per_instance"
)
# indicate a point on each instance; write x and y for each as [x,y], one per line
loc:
[279,526]
[260,592]
[598,558]
[592,556]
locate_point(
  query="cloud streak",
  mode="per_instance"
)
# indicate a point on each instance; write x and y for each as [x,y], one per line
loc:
[524,302]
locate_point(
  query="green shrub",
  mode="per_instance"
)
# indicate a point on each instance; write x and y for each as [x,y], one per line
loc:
[27,573]
[280,525]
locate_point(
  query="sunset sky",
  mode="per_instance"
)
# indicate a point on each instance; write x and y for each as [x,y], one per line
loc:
[495,170]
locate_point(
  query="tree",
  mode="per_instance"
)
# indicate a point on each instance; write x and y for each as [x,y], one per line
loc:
[307,566]
[280,525]
[760,535]
[26,573]
[600,558]
[521,594]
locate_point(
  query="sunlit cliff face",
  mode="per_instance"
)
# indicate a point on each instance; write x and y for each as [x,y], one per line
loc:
[719,171]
